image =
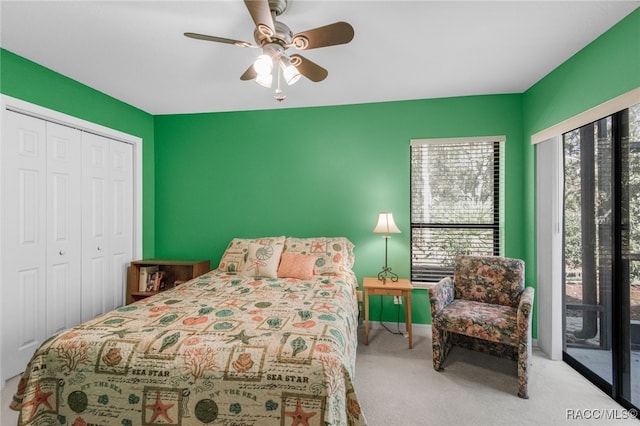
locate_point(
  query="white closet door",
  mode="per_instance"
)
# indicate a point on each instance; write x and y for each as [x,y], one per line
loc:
[64,250]
[95,244]
[24,240]
[66,229]
[107,221]
[121,211]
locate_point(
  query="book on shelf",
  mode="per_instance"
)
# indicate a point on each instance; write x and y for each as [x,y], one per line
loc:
[156,281]
[165,277]
[145,272]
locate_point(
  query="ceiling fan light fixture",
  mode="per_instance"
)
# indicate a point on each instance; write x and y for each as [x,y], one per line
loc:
[263,64]
[273,38]
[264,80]
[289,72]
[291,75]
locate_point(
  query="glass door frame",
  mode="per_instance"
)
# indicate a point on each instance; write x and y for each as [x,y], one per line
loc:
[620,387]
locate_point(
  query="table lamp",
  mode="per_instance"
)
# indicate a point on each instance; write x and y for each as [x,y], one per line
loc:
[386,226]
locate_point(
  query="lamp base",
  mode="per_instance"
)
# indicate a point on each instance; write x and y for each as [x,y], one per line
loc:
[386,274]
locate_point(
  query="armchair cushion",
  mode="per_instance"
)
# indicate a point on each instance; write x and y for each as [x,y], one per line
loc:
[489,279]
[495,323]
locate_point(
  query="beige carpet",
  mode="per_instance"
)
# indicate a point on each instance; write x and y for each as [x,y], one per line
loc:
[398,386]
[8,417]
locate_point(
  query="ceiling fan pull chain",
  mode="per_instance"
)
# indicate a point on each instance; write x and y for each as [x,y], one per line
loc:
[279,95]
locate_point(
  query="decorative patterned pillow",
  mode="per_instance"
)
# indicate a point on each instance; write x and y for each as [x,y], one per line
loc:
[296,265]
[236,252]
[334,255]
[262,260]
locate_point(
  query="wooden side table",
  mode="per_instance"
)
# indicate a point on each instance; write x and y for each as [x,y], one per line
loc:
[402,287]
[179,270]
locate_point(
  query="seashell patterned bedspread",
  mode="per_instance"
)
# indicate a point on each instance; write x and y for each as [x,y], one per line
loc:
[221,349]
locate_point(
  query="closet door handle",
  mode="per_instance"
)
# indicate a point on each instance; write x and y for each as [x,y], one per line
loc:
[99,248]
[61,252]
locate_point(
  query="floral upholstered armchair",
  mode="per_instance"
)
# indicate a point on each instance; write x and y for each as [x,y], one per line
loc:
[485,307]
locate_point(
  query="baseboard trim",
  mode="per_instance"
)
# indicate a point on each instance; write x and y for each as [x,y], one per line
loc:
[416,329]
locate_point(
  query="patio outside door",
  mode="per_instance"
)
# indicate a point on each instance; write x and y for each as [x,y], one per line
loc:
[602,253]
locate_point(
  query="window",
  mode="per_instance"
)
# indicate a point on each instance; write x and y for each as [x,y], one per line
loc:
[456,202]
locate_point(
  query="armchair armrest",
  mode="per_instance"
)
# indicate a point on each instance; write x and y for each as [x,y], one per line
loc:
[441,295]
[524,310]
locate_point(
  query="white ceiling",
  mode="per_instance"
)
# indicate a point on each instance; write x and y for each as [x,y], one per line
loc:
[135,51]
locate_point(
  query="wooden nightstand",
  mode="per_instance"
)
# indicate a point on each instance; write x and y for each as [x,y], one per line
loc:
[374,286]
[178,270]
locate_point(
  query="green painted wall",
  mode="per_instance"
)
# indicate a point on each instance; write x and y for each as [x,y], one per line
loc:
[26,80]
[317,171]
[609,66]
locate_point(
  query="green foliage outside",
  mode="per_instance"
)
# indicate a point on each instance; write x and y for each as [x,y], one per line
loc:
[602,197]
[452,184]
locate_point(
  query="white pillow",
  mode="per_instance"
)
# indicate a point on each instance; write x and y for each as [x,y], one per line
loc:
[262,260]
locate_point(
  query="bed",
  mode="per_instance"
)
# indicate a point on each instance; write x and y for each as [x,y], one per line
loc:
[269,337]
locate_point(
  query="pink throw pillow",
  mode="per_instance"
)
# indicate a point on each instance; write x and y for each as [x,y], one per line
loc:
[295,265]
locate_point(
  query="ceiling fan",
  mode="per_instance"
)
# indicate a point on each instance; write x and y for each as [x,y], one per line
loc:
[274,38]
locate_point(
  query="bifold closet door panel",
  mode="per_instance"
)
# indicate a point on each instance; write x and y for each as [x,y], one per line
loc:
[24,245]
[64,239]
[107,220]
[95,243]
[121,211]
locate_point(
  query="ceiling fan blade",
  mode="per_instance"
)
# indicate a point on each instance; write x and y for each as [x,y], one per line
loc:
[329,35]
[261,15]
[219,39]
[249,74]
[309,69]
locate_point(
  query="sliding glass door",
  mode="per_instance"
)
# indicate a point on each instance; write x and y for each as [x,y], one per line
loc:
[602,253]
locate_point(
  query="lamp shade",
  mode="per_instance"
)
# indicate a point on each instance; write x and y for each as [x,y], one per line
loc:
[386,225]
[264,80]
[263,64]
[291,75]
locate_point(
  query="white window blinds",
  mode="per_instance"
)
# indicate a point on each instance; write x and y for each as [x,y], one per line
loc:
[456,209]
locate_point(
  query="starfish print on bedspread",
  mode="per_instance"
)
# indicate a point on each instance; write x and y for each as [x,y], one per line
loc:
[242,337]
[120,333]
[317,247]
[159,409]
[231,303]
[299,416]
[38,399]
[325,307]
